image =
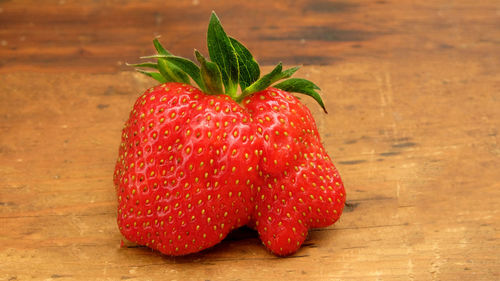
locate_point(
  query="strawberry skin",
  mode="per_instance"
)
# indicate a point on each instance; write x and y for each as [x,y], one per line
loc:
[186,167]
[300,187]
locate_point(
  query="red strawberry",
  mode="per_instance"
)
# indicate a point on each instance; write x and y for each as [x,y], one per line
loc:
[196,163]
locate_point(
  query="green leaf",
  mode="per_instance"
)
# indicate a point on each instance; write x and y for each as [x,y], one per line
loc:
[223,54]
[264,82]
[248,67]
[288,73]
[185,65]
[210,73]
[155,75]
[267,80]
[171,72]
[144,64]
[167,68]
[159,48]
[303,86]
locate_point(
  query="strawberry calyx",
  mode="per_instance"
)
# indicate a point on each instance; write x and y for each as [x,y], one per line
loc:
[231,65]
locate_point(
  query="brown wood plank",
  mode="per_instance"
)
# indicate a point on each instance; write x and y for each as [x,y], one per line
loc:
[412,90]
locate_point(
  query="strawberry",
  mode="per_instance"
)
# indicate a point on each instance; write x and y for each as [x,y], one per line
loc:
[197,162]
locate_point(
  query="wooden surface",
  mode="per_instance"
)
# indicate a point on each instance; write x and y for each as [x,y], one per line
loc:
[412,88]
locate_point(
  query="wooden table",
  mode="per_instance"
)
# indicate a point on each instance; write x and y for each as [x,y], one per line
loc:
[413,91]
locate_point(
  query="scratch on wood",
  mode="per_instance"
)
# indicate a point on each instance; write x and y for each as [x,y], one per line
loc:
[388,85]
[404,144]
[385,91]
[329,7]
[352,162]
[410,269]
[436,262]
[373,198]
[390,153]
[60,275]
[398,187]
[354,247]
[406,206]
[57,215]
[383,99]
[350,141]
[322,33]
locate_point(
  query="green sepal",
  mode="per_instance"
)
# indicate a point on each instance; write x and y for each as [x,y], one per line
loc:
[267,80]
[171,72]
[303,86]
[223,54]
[185,65]
[155,75]
[248,66]
[159,48]
[210,74]
[263,82]
[168,69]
[144,64]
[288,73]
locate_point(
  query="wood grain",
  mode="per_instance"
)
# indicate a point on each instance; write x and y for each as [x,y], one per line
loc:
[413,93]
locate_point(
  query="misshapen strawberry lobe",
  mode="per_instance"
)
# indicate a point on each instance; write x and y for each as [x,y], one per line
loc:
[299,186]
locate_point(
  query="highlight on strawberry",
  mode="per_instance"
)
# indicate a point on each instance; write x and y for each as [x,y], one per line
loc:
[200,157]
